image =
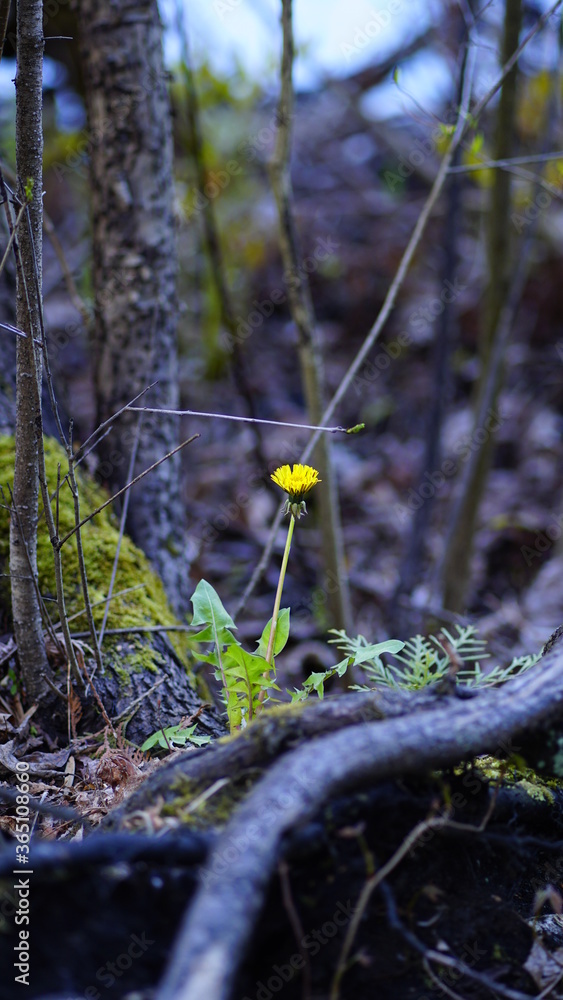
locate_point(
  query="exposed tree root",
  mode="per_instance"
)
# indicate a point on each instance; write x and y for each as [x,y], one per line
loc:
[220,921]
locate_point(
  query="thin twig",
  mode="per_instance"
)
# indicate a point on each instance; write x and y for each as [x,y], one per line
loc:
[505,164]
[296,926]
[138,630]
[309,347]
[495,988]
[211,233]
[441,377]
[137,701]
[82,561]
[382,318]
[244,420]
[73,293]
[70,283]
[81,453]
[45,613]
[4,15]
[450,575]
[130,471]
[42,475]
[462,126]
[124,489]
[435,823]
[14,329]
[103,600]
[11,239]
[99,701]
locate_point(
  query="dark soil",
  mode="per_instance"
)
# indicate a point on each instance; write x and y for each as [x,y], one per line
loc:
[103,928]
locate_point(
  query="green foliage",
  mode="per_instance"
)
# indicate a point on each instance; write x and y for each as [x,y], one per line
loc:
[175,736]
[425,660]
[358,649]
[317,680]
[141,601]
[246,677]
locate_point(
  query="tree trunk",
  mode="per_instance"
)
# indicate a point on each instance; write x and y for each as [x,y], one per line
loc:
[26,613]
[459,540]
[134,264]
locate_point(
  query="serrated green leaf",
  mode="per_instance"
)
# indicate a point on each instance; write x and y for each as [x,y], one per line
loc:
[208,609]
[317,682]
[207,634]
[298,695]
[237,657]
[175,736]
[282,634]
[342,667]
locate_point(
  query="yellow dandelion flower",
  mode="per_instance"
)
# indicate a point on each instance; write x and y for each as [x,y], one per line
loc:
[297,483]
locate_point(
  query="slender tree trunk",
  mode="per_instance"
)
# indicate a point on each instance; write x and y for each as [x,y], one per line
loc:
[23,526]
[134,263]
[456,566]
[335,583]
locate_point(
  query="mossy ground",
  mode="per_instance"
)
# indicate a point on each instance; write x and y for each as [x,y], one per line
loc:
[514,774]
[146,605]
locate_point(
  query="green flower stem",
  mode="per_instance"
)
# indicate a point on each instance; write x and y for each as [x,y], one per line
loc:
[272,639]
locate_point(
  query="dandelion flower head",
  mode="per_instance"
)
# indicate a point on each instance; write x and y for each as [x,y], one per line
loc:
[297,483]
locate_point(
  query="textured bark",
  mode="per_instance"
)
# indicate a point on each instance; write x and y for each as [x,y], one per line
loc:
[175,696]
[459,541]
[26,614]
[134,263]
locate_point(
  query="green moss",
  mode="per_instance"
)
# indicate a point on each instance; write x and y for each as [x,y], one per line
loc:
[518,776]
[146,605]
[214,811]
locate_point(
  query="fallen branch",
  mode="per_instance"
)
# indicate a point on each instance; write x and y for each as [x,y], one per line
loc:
[220,922]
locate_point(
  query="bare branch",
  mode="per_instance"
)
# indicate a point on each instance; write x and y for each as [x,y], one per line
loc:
[246,420]
[128,486]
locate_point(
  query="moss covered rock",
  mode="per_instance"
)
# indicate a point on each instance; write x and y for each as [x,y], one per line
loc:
[134,662]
